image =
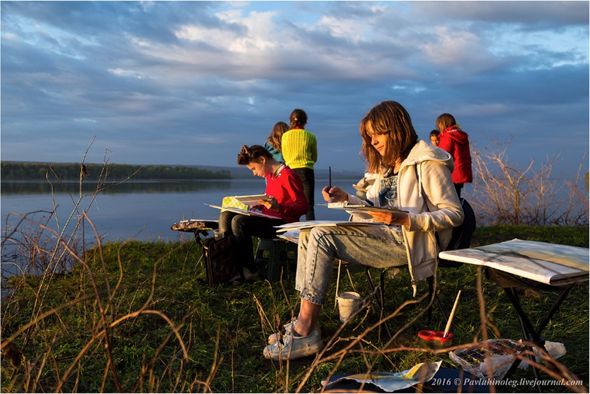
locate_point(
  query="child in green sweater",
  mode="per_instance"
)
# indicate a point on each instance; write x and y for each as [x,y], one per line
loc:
[300,152]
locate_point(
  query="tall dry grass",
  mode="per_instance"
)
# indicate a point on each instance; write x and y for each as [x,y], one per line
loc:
[47,248]
[503,193]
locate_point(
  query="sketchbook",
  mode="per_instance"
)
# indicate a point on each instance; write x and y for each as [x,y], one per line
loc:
[544,262]
[290,231]
[361,212]
[242,202]
[321,223]
[247,212]
[290,235]
[244,205]
[361,208]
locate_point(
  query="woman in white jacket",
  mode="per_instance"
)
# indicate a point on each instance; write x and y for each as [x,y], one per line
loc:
[409,175]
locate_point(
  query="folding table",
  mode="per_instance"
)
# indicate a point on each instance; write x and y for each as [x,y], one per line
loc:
[520,264]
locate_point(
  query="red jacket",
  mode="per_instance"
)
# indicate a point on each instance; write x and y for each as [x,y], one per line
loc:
[287,189]
[456,142]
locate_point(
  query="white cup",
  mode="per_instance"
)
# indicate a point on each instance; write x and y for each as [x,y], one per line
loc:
[348,303]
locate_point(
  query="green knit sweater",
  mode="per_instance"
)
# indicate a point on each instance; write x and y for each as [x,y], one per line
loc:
[299,148]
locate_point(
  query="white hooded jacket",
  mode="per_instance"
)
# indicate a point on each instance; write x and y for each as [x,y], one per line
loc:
[426,191]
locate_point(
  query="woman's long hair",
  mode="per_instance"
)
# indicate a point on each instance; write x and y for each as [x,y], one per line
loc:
[275,135]
[391,118]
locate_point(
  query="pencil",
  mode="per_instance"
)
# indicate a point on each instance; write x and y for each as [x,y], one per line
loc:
[329,178]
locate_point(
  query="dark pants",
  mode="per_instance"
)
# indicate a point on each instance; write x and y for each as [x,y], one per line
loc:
[243,228]
[458,187]
[307,177]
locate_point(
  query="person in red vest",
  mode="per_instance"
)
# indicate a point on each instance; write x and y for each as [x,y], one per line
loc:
[456,142]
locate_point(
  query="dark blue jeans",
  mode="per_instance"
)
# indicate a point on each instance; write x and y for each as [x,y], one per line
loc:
[243,228]
[307,177]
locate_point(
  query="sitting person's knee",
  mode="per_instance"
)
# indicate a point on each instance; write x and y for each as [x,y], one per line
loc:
[238,224]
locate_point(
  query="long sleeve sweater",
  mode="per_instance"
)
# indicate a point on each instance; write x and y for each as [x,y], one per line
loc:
[299,148]
[287,189]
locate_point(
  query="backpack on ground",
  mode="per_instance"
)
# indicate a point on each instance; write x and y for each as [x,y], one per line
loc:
[221,260]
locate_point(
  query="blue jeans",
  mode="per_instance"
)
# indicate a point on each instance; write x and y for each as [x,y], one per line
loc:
[377,246]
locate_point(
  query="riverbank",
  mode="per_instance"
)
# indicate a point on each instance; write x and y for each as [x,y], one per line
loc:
[169,332]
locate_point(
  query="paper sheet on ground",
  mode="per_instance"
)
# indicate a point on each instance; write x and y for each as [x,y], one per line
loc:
[392,381]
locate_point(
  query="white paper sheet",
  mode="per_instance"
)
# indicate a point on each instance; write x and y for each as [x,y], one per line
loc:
[540,261]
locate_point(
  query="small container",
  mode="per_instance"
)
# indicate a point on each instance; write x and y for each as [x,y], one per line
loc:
[348,303]
[436,337]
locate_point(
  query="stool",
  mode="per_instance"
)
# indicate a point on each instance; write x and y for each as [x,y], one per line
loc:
[275,256]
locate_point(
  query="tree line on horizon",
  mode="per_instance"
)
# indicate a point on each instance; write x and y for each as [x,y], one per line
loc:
[37,171]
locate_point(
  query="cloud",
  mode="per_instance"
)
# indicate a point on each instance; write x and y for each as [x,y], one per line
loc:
[534,14]
[169,82]
[458,50]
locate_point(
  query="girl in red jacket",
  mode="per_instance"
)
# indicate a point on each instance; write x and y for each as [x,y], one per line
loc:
[285,202]
[456,142]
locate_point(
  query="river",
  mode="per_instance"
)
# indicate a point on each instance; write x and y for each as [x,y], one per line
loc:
[142,211]
[128,211]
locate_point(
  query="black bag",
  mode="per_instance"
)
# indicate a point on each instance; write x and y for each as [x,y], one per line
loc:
[220,259]
[462,234]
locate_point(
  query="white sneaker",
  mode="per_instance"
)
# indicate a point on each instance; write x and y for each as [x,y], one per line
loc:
[292,347]
[287,328]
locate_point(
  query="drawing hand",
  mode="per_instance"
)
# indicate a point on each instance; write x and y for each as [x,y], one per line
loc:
[334,194]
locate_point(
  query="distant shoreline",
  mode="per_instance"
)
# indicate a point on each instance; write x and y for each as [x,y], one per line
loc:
[21,171]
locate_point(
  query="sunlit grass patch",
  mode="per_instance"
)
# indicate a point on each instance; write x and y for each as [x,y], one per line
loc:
[158,289]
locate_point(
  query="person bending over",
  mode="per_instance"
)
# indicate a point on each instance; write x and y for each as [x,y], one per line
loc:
[284,199]
[409,175]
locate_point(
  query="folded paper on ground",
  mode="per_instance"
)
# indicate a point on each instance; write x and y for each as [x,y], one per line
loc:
[544,262]
[392,381]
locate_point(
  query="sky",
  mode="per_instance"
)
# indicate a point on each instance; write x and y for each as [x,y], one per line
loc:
[190,82]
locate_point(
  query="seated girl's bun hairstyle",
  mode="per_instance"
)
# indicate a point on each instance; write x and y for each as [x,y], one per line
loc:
[252,153]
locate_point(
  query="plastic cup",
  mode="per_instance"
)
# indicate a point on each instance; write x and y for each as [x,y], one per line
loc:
[348,303]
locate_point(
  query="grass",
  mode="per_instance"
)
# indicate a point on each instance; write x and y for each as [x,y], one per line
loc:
[157,291]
